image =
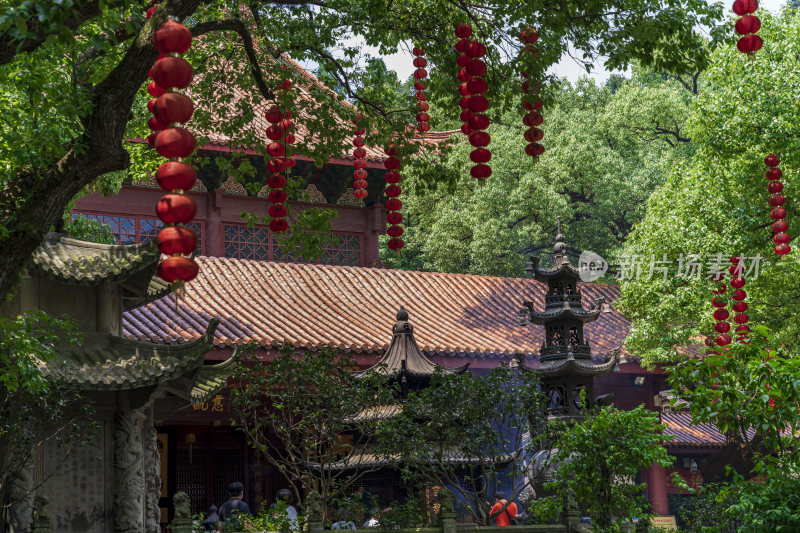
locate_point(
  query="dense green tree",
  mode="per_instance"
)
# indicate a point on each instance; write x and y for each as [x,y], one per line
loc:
[716,202]
[606,152]
[73,75]
[598,458]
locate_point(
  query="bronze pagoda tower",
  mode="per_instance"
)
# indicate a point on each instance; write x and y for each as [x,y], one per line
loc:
[567,369]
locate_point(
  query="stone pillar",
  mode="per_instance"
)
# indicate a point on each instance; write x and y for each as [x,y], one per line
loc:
[128,474]
[447,514]
[152,480]
[313,509]
[570,516]
[182,523]
[657,489]
[41,519]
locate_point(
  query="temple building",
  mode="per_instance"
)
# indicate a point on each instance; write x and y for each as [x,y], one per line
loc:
[114,483]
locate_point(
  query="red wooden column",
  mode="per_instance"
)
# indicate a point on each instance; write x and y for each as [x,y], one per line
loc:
[657,489]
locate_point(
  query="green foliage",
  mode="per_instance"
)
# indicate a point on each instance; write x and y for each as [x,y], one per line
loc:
[408,514]
[35,406]
[88,229]
[606,152]
[752,388]
[707,512]
[468,432]
[716,200]
[597,460]
[301,415]
[545,510]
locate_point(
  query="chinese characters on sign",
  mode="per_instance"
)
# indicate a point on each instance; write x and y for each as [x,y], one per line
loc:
[214,406]
[697,266]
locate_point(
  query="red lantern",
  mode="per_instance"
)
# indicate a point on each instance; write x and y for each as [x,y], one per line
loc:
[722,327]
[780,226]
[360,174]
[359,153]
[391,163]
[721,314]
[172,38]
[392,177]
[273,115]
[740,307]
[418,51]
[771,160]
[420,62]
[276,149]
[479,122]
[463,60]
[781,238]
[739,295]
[275,132]
[747,24]
[535,106]
[176,209]
[529,35]
[479,138]
[394,231]
[477,86]
[156,125]
[481,171]
[532,119]
[175,142]
[175,175]
[478,103]
[393,204]
[422,117]
[717,303]
[774,186]
[476,67]
[358,142]
[777,200]
[723,340]
[173,107]
[737,283]
[420,73]
[360,184]
[777,213]
[151,10]
[534,149]
[172,72]
[393,191]
[394,218]
[277,196]
[741,318]
[475,49]
[480,155]
[749,44]
[176,240]
[783,249]
[533,135]
[466,129]
[276,181]
[744,7]
[275,166]
[278,225]
[277,211]
[360,193]
[177,269]
[463,31]
[424,126]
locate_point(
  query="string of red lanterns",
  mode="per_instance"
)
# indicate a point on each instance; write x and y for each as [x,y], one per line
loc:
[739,295]
[393,204]
[171,109]
[776,201]
[360,164]
[533,106]
[747,26]
[473,102]
[281,159]
[721,313]
[420,62]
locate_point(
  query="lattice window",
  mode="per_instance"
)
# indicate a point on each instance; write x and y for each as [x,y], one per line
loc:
[345,251]
[123,228]
[281,253]
[246,243]
[227,469]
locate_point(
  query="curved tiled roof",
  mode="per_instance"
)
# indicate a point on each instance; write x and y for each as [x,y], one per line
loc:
[88,263]
[687,433]
[353,309]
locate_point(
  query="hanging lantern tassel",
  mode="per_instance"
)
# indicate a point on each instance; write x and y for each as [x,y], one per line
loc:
[532,105]
[393,204]
[172,109]
[420,62]
[747,26]
[472,90]
[739,305]
[778,213]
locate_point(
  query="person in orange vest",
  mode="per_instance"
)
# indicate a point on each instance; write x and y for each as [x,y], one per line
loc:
[504,513]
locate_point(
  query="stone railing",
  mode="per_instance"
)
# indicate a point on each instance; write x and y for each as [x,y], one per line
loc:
[569,520]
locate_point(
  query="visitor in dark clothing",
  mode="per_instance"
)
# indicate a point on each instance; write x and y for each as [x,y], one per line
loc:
[235,503]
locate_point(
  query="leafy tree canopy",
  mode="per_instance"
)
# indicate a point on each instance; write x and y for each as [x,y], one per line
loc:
[607,149]
[716,202]
[73,76]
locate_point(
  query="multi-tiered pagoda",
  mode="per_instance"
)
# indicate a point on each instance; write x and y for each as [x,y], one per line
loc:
[567,369]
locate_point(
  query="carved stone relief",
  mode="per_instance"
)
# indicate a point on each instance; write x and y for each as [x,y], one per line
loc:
[152,471]
[128,475]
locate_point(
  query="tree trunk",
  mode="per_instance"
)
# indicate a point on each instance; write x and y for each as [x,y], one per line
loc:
[31,203]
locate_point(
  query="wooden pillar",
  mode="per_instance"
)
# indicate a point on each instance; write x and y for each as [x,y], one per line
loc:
[657,489]
[214,235]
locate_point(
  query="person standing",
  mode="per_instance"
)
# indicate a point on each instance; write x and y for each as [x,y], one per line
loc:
[503,512]
[235,504]
[285,496]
